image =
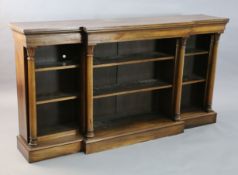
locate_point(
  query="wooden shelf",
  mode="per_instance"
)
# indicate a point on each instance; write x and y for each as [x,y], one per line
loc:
[193,52]
[109,122]
[193,79]
[47,130]
[56,66]
[130,59]
[55,97]
[121,89]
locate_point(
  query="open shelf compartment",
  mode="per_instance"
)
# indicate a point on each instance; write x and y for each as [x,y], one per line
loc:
[133,52]
[195,74]
[196,60]
[135,66]
[58,117]
[57,57]
[124,109]
[133,81]
[130,78]
[57,89]
[54,86]
[193,98]
[132,118]
[198,44]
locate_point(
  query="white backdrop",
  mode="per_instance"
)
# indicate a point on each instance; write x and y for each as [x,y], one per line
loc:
[205,150]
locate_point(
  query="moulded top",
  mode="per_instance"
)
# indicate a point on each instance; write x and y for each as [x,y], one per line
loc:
[98,25]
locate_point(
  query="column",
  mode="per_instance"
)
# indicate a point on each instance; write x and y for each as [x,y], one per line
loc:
[32,96]
[178,81]
[211,71]
[89,91]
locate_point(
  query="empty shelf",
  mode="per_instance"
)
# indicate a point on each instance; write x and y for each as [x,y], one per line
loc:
[46,130]
[130,59]
[193,79]
[56,66]
[55,97]
[120,89]
[193,52]
[130,123]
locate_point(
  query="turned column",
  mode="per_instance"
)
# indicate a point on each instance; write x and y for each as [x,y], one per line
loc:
[211,71]
[32,96]
[89,91]
[178,78]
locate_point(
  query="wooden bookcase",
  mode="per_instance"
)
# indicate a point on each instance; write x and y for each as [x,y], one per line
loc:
[93,85]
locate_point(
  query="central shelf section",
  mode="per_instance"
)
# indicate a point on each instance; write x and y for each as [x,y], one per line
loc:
[132,85]
[133,67]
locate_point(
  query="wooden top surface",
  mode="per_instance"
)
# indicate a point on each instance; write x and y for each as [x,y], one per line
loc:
[95,25]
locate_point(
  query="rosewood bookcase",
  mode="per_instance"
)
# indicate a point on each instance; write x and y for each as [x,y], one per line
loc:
[93,85]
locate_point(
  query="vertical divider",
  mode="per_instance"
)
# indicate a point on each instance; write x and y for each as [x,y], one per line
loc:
[89,91]
[89,51]
[178,76]
[211,71]
[82,85]
[32,96]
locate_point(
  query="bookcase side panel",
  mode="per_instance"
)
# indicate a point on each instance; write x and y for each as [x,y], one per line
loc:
[21,78]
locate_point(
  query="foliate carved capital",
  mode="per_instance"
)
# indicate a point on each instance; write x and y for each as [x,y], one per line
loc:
[30,54]
[90,50]
[184,41]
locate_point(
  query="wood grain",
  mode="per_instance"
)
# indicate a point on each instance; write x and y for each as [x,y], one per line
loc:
[142,81]
[132,133]
[21,77]
[212,71]
[174,21]
[198,118]
[50,149]
[179,76]
[32,96]
[89,91]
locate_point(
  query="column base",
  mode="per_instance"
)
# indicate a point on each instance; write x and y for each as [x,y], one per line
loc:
[49,149]
[90,134]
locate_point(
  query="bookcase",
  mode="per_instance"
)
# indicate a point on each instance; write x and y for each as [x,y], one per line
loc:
[94,85]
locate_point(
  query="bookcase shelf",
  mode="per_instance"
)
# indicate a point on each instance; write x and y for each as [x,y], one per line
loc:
[194,52]
[100,84]
[54,67]
[129,109]
[193,79]
[122,89]
[55,97]
[48,130]
[130,59]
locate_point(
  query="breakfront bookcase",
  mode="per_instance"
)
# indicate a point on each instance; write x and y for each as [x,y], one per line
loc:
[93,85]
